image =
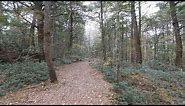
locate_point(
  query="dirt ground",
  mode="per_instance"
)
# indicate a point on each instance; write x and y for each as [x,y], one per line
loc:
[78,84]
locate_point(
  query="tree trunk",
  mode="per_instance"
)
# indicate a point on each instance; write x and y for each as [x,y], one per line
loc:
[32,30]
[139,18]
[103,54]
[112,46]
[122,45]
[179,48]
[40,25]
[167,42]
[109,43]
[132,36]
[1,15]
[118,49]
[102,33]
[126,50]
[137,42]
[71,27]
[156,39]
[183,23]
[47,41]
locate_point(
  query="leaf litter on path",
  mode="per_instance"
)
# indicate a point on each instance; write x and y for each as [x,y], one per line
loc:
[78,84]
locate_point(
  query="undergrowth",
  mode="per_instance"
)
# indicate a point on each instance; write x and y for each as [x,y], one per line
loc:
[147,84]
[18,75]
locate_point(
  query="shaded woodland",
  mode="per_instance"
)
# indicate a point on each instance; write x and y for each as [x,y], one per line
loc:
[141,55]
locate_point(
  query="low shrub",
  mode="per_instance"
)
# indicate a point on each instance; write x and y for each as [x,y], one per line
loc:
[158,65]
[109,74]
[129,94]
[66,61]
[19,75]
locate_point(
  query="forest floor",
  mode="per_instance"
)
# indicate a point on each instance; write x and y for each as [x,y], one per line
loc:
[78,84]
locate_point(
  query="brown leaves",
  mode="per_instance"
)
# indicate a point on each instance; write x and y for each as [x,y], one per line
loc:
[78,84]
[141,81]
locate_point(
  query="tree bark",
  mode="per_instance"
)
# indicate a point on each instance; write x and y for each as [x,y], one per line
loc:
[103,54]
[179,48]
[156,39]
[139,18]
[71,26]
[122,44]
[118,49]
[40,25]
[1,15]
[102,33]
[126,46]
[32,29]
[47,41]
[132,36]
[137,42]
[183,38]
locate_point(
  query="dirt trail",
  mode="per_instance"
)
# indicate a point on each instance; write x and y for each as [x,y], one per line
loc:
[78,84]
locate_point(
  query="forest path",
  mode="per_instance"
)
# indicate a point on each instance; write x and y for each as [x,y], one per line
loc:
[78,84]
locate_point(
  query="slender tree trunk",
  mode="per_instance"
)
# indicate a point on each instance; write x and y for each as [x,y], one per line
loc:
[112,45]
[156,39]
[102,33]
[103,55]
[126,50]
[32,30]
[40,25]
[183,23]
[1,15]
[118,49]
[47,41]
[139,18]
[140,55]
[137,42]
[71,26]
[89,44]
[122,45]
[163,43]
[179,48]
[132,35]
[109,43]
[167,42]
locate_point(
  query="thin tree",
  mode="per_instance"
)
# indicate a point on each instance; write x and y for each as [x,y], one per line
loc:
[103,37]
[139,18]
[47,41]
[40,25]
[132,37]
[102,32]
[118,49]
[137,42]
[71,26]
[179,48]
[32,29]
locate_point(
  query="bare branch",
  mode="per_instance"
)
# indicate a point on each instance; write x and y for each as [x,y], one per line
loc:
[181,27]
[177,2]
[26,5]
[58,15]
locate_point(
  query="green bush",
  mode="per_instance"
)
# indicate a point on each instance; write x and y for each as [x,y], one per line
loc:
[66,61]
[109,74]
[58,61]
[129,94]
[78,51]
[19,75]
[158,65]
[126,93]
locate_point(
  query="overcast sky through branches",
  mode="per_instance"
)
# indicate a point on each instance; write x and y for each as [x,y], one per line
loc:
[92,27]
